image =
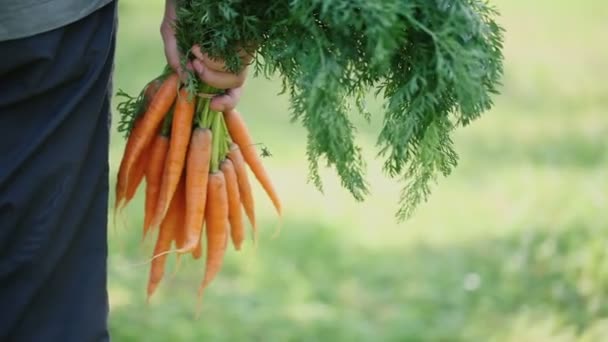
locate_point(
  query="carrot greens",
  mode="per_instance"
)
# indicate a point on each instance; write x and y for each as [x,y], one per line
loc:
[435,64]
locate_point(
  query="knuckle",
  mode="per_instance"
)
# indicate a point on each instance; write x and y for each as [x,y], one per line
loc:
[239,81]
[212,81]
[221,65]
[163,28]
[203,76]
[197,53]
[228,104]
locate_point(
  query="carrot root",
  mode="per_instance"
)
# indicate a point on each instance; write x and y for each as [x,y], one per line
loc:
[181,131]
[241,136]
[237,231]
[245,191]
[143,132]
[197,173]
[217,228]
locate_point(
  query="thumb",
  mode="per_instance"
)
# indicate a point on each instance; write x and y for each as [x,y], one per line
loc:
[171,52]
[167,31]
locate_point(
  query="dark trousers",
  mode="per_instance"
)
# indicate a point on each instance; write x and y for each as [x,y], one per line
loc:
[54,141]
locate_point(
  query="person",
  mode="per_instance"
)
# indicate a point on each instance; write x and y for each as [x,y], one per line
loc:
[56,62]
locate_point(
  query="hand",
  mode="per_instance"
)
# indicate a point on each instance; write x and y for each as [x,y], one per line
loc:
[212,72]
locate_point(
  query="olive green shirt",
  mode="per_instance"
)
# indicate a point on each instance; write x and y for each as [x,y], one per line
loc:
[23,18]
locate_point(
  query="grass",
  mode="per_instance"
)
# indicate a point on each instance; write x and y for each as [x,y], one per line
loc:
[511,247]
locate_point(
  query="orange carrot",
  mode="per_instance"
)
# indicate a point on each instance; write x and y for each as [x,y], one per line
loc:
[241,136]
[181,130]
[197,253]
[151,90]
[154,174]
[121,177]
[197,173]
[143,132]
[166,235]
[139,171]
[180,198]
[245,192]
[216,221]
[137,175]
[237,231]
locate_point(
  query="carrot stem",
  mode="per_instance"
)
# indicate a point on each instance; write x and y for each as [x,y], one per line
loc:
[202,109]
[227,135]
[206,118]
[218,137]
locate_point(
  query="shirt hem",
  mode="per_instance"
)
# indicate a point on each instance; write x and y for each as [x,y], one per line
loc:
[49,23]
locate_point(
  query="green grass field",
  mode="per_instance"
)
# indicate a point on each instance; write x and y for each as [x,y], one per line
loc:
[513,246]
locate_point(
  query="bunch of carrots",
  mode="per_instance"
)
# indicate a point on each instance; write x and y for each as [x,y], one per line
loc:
[194,163]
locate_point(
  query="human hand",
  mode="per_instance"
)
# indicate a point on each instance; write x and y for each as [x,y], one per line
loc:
[213,72]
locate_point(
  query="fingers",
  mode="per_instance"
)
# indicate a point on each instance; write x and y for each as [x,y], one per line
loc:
[215,74]
[226,102]
[218,65]
[171,52]
[208,62]
[218,79]
[212,72]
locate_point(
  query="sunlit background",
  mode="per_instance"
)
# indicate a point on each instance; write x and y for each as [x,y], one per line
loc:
[513,246]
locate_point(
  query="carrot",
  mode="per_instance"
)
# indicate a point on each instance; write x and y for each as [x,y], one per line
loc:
[137,174]
[216,219]
[241,136]
[245,192]
[181,130]
[197,253]
[180,198]
[197,173]
[121,178]
[166,235]
[151,90]
[139,171]
[154,174]
[235,216]
[143,132]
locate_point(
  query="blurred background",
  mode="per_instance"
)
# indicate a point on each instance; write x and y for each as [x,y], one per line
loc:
[513,246]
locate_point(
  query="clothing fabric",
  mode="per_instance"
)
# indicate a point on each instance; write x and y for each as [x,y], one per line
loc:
[54,142]
[24,18]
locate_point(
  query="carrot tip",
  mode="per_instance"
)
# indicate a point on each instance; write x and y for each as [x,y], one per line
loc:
[151,290]
[278,229]
[147,261]
[186,249]
[254,235]
[178,261]
[255,245]
[199,302]
[116,205]
[114,222]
